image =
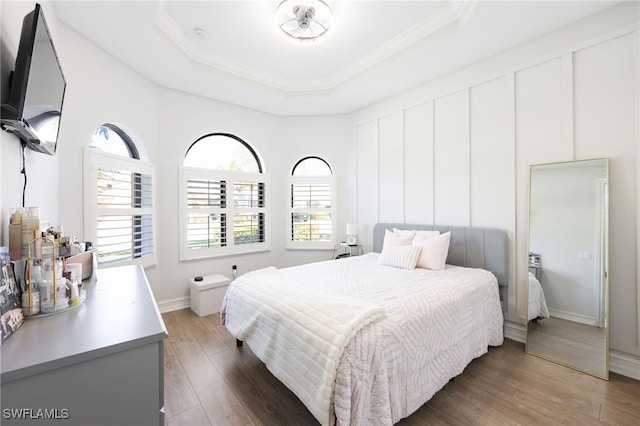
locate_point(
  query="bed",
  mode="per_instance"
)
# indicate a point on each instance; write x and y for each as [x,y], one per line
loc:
[537,303]
[364,343]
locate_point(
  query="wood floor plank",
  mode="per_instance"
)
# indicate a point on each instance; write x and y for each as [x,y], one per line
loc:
[616,413]
[263,395]
[192,417]
[624,391]
[558,408]
[471,402]
[206,331]
[178,392]
[504,387]
[218,402]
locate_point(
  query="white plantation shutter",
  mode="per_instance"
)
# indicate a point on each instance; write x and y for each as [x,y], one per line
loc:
[248,218]
[120,208]
[312,212]
[206,225]
[223,212]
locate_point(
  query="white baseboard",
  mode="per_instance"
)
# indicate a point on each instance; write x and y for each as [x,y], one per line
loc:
[570,316]
[619,362]
[515,331]
[624,364]
[174,304]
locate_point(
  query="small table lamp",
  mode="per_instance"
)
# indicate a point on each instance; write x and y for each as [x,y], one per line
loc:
[352,234]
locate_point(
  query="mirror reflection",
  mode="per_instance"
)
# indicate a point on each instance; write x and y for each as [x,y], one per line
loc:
[568,225]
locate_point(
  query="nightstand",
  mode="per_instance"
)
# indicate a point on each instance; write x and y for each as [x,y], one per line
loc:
[346,250]
[536,271]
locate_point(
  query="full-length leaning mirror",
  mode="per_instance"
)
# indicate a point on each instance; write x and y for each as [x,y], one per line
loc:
[568,262]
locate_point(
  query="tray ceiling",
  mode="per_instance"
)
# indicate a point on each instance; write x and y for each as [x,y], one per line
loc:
[374,49]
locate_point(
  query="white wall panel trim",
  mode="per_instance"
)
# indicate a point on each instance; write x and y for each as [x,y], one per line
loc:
[404,162]
[568,120]
[637,137]
[451,152]
[559,53]
[564,78]
[554,54]
[624,364]
[418,163]
[391,167]
[515,331]
[604,37]
[366,185]
[378,164]
[433,159]
[512,297]
[466,123]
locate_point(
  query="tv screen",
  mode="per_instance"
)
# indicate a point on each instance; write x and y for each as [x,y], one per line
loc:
[37,88]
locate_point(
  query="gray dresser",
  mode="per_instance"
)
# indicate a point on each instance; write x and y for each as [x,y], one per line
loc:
[98,364]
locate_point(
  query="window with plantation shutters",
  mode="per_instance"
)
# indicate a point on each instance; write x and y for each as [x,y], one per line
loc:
[223,211]
[121,208]
[206,224]
[248,219]
[311,209]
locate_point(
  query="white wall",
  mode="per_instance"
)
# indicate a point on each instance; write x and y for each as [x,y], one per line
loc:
[163,123]
[280,142]
[469,139]
[457,149]
[99,90]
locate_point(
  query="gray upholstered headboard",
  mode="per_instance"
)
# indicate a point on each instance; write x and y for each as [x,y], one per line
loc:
[486,248]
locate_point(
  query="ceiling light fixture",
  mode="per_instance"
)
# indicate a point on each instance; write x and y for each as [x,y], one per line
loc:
[304,19]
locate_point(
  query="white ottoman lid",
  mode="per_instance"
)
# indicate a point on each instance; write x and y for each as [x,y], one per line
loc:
[209,281]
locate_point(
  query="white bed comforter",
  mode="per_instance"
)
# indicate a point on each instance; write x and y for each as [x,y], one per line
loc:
[434,324]
[537,302]
[298,331]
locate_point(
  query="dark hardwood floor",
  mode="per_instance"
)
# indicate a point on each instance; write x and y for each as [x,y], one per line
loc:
[208,381]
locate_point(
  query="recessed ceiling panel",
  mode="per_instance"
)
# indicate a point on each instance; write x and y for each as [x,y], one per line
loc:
[246,32]
[374,49]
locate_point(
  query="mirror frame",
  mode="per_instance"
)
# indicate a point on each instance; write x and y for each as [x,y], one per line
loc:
[605,272]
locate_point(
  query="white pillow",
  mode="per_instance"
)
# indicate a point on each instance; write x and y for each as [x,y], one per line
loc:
[394,240]
[428,234]
[404,257]
[434,251]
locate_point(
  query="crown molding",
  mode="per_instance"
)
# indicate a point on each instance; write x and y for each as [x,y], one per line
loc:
[455,11]
[167,25]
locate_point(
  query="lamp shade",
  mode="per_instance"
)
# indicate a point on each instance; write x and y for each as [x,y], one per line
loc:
[352,229]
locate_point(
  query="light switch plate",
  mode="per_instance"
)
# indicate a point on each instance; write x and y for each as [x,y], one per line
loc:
[584,255]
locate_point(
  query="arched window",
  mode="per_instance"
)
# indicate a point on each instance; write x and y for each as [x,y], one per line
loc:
[312,207]
[110,138]
[311,166]
[222,151]
[224,198]
[121,195]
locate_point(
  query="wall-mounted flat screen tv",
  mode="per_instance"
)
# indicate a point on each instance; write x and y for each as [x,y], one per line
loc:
[37,87]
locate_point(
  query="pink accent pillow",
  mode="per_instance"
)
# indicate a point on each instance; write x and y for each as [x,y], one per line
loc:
[427,234]
[434,251]
[394,240]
